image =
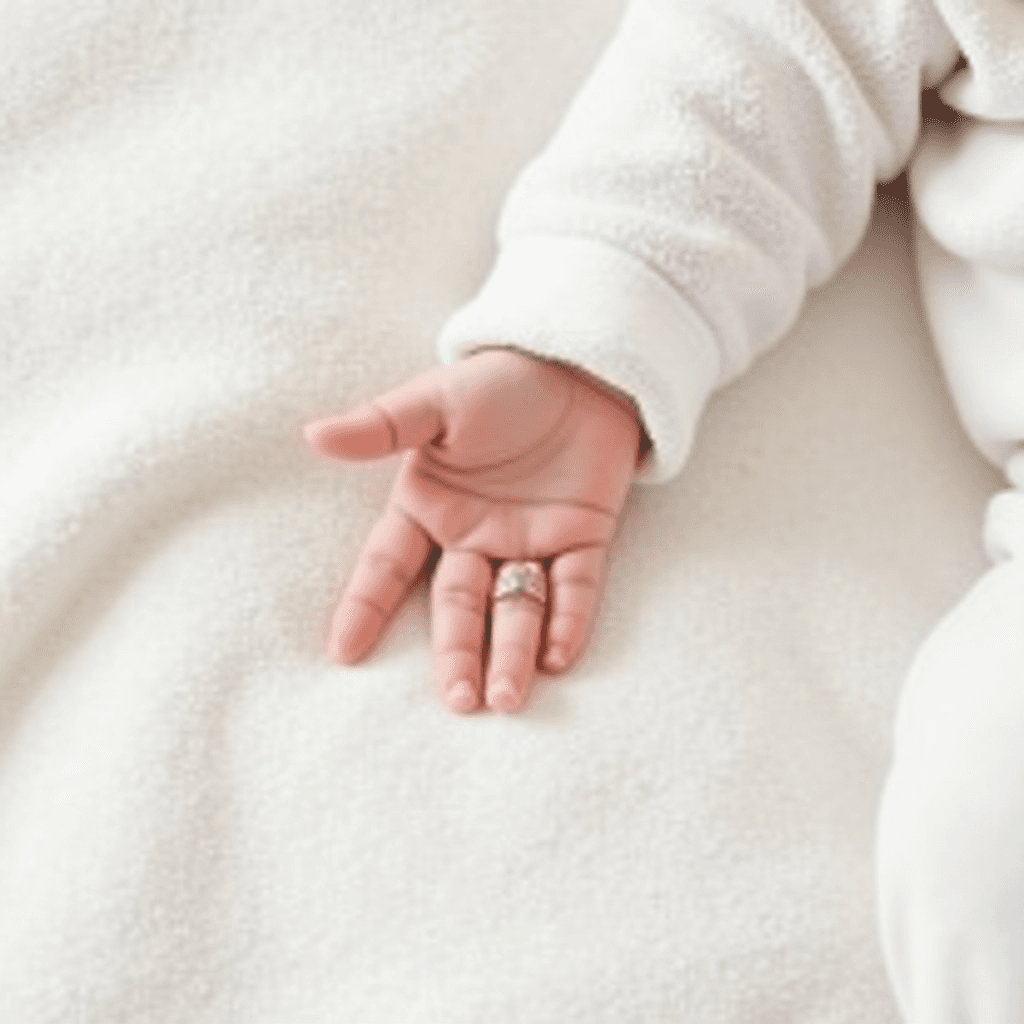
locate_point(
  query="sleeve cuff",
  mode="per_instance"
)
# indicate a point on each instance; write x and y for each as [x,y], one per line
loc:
[586,303]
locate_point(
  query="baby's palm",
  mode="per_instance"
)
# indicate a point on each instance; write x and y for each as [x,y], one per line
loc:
[508,458]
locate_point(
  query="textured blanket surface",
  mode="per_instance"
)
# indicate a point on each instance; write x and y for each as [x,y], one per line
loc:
[220,219]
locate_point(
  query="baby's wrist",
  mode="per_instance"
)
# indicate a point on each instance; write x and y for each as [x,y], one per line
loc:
[620,398]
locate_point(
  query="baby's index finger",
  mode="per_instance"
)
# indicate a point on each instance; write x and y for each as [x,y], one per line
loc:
[391,559]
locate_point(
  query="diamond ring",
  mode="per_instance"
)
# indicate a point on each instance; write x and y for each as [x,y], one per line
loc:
[521,578]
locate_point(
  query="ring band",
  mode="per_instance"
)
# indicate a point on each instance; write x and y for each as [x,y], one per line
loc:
[526,579]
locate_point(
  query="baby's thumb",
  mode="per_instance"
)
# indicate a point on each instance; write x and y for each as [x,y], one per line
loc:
[408,417]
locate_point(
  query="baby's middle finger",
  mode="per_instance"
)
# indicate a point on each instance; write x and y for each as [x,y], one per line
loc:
[516,622]
[459,595]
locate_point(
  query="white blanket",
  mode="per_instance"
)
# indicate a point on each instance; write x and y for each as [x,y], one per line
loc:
[221,219]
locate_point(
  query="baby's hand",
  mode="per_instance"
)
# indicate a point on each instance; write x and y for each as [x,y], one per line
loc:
[507,457]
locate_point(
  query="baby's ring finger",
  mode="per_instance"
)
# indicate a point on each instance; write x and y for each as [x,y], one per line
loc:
[515,633]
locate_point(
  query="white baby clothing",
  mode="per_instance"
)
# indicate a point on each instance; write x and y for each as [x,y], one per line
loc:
[720,162]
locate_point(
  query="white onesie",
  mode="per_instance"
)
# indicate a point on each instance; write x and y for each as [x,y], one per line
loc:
[722,160]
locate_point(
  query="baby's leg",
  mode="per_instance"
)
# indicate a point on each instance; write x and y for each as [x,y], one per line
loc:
[951,826]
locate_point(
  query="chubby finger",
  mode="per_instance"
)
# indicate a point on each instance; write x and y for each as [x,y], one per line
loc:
[408,417]
[515,638]
[392,557]
[576,582]
[462,582]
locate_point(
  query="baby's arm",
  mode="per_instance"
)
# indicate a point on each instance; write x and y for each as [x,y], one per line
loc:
[720,161]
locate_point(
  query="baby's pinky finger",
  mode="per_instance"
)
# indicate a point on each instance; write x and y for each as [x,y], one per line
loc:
[577,579]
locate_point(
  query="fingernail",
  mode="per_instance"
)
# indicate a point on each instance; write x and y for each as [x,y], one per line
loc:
[556,658]
[462,696]
[503,696]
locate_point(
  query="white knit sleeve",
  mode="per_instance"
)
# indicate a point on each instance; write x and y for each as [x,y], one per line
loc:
[720,161]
